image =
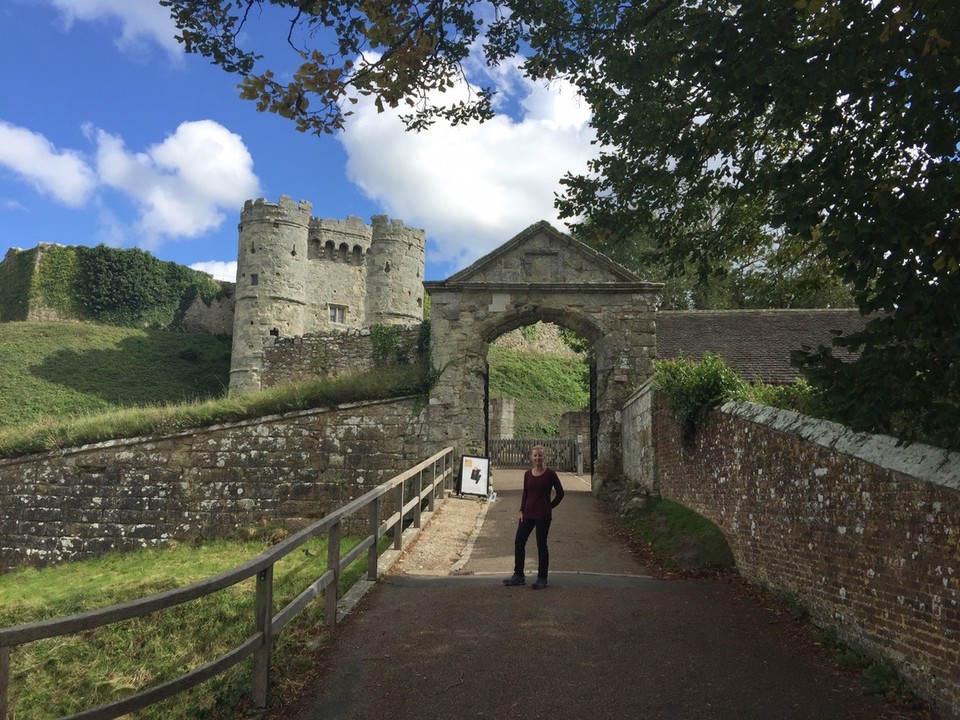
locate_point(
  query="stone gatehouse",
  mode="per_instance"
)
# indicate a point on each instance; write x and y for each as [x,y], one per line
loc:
[540,275]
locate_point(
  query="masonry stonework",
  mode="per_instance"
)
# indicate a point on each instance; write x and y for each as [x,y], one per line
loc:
[124,495]
[330,354]
[864,532]
[299,275]
[539,275]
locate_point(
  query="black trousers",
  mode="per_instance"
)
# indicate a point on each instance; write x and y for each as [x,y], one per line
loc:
[520,546]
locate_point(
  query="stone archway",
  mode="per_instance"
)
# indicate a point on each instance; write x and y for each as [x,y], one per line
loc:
[541,274]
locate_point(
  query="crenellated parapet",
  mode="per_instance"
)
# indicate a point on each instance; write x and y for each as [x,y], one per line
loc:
[297,275]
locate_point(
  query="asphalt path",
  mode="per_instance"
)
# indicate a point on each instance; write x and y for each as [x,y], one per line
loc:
[603,640]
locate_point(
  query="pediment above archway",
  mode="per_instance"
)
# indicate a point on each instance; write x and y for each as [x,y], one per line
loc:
[541,254]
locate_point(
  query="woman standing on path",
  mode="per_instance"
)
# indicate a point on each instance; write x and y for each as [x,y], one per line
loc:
[536,511]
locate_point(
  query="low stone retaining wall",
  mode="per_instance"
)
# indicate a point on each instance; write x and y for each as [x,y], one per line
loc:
[332,354]
[128,494]
[864,532]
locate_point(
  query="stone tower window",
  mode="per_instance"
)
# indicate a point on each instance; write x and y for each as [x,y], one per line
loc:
[338,314]
[386,267]
[254,279]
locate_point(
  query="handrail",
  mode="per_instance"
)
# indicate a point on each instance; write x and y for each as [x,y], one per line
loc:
[267,624]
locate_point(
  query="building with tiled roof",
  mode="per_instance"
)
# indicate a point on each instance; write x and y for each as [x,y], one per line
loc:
[757,343]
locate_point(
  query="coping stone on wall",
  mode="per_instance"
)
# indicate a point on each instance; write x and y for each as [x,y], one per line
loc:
[923,462]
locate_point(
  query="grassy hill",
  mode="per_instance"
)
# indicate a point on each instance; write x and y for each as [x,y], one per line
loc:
[69,369]
[60,370]
[545,384]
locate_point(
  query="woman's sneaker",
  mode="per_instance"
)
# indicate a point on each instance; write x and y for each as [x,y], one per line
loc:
[515,580]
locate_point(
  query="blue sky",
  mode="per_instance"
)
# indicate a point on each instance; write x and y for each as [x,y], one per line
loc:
[110,134]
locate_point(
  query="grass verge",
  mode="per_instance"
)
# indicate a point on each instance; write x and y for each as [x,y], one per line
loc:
[673,538]
[163,419]
[59,676]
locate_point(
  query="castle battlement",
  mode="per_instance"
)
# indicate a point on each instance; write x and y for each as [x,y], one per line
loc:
[300,275]
[286,210]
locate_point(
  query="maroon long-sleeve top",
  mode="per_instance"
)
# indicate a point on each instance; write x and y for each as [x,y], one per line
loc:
[536,503]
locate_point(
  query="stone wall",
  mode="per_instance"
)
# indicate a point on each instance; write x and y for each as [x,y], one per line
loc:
[215,317]
[332,354]
[864,532]
[129,494]
[575,423]
[638,448]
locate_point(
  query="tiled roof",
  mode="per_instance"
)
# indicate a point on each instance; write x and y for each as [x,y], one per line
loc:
[755,342]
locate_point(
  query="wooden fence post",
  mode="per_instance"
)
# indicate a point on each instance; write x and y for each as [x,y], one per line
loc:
[416,509]
[4,680]
[263,620]
[333,563]
[398,528]
[433,488]
[443,485]
[373,554]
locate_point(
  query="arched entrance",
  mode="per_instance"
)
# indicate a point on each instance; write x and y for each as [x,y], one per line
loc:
[539,275]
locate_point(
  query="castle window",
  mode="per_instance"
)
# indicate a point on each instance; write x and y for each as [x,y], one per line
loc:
[386,267]
[254,279]
[338,314]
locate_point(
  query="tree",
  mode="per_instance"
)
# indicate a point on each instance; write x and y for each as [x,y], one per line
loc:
[831,126]
[838,123]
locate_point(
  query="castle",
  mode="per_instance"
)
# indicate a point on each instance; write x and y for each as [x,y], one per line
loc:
[299,275]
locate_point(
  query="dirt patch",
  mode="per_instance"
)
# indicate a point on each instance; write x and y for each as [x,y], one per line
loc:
[446,545]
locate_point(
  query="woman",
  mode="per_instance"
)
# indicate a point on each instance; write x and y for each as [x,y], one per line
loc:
[536,508]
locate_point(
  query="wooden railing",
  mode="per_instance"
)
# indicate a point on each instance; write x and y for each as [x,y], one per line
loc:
[267,624]
[562,454]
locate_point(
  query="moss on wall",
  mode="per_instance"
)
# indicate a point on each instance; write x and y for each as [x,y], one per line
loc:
[53,292]
[15,272]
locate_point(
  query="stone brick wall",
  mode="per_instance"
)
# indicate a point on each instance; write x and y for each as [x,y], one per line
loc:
[216,318]
[329,354]
[129,494]
[865,533]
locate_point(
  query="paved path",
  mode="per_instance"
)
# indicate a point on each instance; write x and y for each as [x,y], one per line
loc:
[604,640]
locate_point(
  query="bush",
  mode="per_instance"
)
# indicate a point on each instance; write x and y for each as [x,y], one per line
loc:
[692,388]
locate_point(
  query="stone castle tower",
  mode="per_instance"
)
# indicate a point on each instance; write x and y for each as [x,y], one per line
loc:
[299,275]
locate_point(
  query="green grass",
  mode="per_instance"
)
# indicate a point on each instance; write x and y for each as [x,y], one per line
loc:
[142,393]
[545,386]
[55,677]
[72,369]
[678,537]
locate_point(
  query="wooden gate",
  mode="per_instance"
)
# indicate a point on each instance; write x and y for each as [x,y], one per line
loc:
[562,454]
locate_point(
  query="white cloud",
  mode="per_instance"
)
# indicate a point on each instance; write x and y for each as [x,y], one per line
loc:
[141,21]
[473,187]
[61,173]
[218,269]
[182,185]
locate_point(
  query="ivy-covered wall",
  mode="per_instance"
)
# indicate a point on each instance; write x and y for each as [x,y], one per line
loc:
[126,287]
[15,273]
